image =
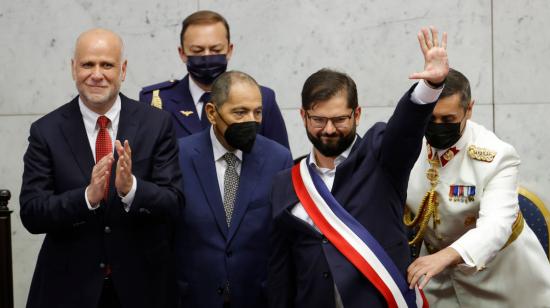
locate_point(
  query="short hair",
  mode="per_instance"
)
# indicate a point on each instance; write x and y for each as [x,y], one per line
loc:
[222,86]
[203,18]
[325,84]
[457,83]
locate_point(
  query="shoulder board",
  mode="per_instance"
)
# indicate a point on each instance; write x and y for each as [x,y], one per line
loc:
[160,86]
[481,154]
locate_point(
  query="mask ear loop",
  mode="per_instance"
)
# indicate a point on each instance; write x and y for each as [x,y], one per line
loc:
[223,120]
[220,115]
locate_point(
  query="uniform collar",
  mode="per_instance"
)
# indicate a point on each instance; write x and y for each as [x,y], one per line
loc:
[447,155]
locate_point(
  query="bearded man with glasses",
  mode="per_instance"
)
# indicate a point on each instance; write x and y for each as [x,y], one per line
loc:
[346,197]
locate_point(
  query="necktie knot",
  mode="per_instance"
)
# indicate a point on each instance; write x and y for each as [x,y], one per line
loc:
[103,121]
[231,159]
[205,97]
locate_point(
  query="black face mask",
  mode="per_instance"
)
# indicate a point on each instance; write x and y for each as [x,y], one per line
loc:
[241,135]
[335,149]
[443,135]
[205,69]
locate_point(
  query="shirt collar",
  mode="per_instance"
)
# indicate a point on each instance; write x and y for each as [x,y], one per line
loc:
[219,150]
[196,91]
[90,117]
[337,161]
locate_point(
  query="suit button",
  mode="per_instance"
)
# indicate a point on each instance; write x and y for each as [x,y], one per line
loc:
[325,241]
[101,265]
[325,275]
[229,253]
[220,290]
[107,229]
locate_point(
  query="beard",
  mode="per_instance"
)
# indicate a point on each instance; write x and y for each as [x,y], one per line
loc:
[99,99]
[335,147]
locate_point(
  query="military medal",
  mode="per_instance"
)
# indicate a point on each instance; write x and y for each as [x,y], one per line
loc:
[462,193]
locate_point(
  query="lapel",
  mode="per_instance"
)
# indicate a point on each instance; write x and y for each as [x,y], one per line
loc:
[75,133]
[181,100]
[299,224]
[285,214]
[251,170]
[205,169]
[127,129]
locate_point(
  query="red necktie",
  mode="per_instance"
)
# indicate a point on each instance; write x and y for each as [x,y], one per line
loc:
[103,145]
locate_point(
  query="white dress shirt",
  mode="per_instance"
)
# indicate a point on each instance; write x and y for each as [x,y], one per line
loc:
[221,165]
[92,129]
[196,93]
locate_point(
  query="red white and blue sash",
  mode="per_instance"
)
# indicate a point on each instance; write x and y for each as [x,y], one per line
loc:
[352,239]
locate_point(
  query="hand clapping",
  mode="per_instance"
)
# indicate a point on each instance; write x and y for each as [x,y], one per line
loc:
[124,178]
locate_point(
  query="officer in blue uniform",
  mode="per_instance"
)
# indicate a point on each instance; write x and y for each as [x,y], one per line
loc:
[205,49]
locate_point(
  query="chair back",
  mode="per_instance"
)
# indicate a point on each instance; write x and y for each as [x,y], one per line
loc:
[537,217]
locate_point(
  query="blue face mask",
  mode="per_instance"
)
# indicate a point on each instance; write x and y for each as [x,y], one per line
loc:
[205,69]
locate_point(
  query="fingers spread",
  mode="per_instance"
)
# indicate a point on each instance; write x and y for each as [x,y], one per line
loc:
[427,38]
[422,43]
[435,37]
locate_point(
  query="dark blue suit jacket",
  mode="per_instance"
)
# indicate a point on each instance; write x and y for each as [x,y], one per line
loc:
[208,252]
[176,97]
[78,242]
[371,184]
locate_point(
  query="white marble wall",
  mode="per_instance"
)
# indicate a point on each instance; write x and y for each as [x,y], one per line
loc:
[502,46]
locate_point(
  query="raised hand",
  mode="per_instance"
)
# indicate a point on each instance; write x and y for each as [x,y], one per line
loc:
[100,173]
[123,179]
[436,64]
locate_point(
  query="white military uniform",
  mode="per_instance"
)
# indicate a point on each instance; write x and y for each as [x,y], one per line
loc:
[478,205]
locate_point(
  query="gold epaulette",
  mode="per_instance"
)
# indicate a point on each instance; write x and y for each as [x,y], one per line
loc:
[481,154]
[156,101]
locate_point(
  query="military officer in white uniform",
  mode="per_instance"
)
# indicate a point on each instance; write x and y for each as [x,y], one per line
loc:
[462,202]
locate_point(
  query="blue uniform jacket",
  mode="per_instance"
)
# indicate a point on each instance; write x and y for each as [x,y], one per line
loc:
[176,97]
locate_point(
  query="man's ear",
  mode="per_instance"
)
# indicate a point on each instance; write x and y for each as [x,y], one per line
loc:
[73,69]
[123,70]
[229,52]
[470,109]
[210,111]
[303,115]
[357,115]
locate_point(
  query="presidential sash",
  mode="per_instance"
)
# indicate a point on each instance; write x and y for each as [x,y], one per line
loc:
[352,239]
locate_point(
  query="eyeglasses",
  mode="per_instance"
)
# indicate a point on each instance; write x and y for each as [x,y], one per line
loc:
[338,122]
